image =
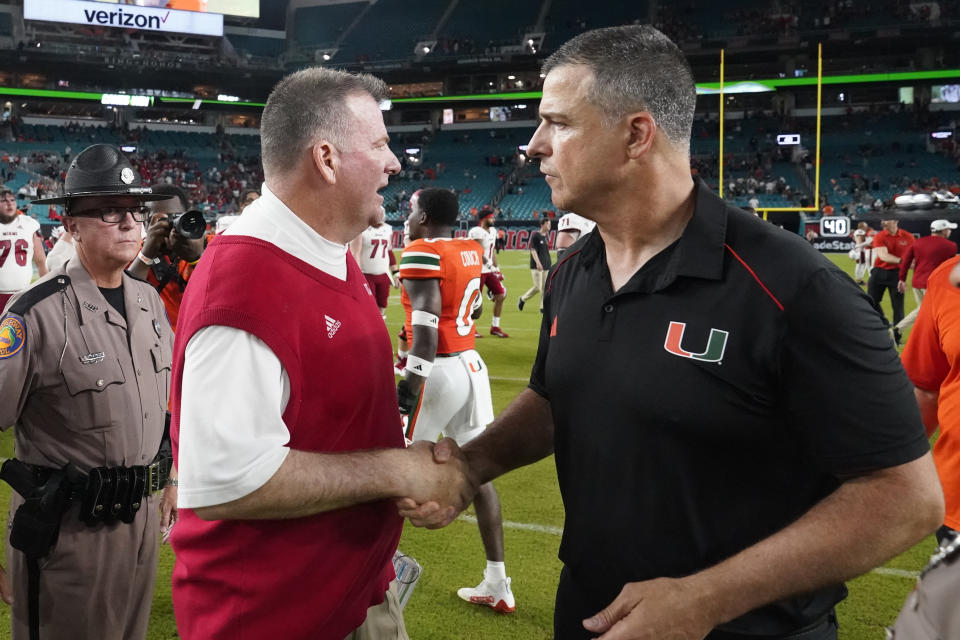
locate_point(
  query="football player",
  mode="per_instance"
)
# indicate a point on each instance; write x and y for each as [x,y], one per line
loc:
[491,278]
[445,390]
[20,244]
[569,229]
[372,250]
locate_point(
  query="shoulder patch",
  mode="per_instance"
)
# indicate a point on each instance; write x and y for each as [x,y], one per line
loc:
[41,291]
[13,334]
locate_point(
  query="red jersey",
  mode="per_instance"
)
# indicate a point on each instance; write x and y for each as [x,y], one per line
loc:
[896,244]
[456,263]
[929,252]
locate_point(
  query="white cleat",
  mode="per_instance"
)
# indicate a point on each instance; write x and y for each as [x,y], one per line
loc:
[496,595]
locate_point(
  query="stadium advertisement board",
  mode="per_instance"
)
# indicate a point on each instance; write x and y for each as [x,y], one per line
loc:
[99,14]
[833,245]
[244,8]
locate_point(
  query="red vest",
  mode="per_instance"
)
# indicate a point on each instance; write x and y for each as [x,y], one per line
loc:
[310,577]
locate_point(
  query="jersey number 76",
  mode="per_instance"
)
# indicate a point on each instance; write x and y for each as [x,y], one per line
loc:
[19,251]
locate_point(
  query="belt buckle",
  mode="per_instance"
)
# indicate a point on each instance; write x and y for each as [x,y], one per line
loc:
[157,473]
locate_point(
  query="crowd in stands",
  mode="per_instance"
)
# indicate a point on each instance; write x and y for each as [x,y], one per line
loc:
[677,24]
[789,18]
[217,189]
[461,46]
[868,158]
[847,13]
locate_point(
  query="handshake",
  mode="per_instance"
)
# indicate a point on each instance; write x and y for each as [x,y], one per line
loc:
[437,483]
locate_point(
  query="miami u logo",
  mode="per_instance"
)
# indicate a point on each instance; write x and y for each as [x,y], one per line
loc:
[715,345]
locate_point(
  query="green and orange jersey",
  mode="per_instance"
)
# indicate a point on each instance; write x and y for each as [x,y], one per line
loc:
[456,263]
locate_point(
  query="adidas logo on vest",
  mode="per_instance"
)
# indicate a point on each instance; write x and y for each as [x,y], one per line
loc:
[332,326]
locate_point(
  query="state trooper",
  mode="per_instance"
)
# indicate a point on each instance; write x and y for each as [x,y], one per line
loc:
[85,356]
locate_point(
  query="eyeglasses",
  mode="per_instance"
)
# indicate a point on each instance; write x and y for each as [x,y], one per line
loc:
[113,215]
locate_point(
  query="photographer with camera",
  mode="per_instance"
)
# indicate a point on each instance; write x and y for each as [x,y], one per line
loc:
[172,248]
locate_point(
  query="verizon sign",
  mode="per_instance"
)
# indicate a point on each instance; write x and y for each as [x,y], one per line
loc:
[127,16]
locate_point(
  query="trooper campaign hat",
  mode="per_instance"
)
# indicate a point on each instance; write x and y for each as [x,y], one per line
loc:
[102,170]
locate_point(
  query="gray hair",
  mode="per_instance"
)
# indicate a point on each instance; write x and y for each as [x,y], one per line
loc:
[308,106]
[635,68]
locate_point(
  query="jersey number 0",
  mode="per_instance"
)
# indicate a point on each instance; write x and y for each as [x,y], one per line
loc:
[471,295]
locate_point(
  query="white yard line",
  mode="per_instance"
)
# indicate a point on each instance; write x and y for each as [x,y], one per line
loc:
[900,573]
[523,526]
[557,531]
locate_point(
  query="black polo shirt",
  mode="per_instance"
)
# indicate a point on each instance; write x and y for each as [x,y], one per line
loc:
[538,243]
[711,401]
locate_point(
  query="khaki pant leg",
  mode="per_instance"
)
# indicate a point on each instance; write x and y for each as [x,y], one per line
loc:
[918,295]
[144,576]
[911,317]
[539,277]
[384,621]
[97,582]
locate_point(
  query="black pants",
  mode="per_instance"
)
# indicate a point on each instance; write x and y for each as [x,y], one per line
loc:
[882,280]
[575,604]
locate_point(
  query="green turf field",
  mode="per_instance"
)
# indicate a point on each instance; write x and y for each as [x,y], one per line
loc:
[533,515]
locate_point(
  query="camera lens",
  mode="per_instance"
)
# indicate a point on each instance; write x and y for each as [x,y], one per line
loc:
[190,224]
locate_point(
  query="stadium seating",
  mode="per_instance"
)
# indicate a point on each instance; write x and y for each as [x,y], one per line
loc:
[6,24]
[320,26]
[491,20]
[865,157]
[535,197]
[464,156]
[389,30]
[567,18]
[254,46]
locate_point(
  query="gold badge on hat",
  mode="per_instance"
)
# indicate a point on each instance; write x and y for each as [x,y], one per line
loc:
[126,175]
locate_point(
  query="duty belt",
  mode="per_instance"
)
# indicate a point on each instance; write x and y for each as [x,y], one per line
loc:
[107,494]
[157,473]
